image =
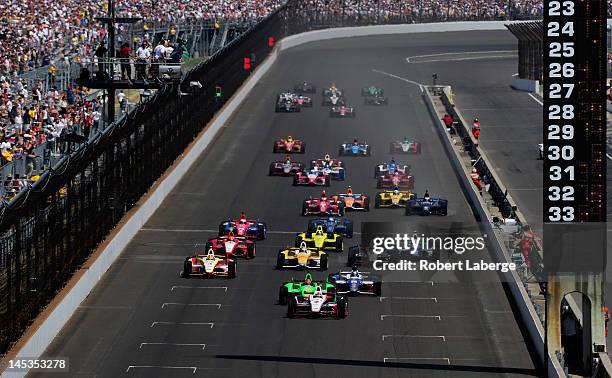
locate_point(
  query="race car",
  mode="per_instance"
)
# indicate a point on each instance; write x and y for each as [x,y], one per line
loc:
[333,167]
[303,288]
[303,101]
[395,180]
[311,177]
[243,227]
[353,201]
[321,240]
[289,145]
[359,256]
[333,99]
[342,111]
[390,167]
[376,100]
[355,149]
[285,167]
[393,198]
[232,245]
[318,304]
[333,90]
[332,225]
[301,257]
[372,91]
[210,265]
[322,205]
[356,282]
[405,146]
[286,104]
[427,205]
[305,87]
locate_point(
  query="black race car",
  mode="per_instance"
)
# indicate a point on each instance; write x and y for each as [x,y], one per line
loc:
[305,87]
[376,100]
[286,103]
[427,206]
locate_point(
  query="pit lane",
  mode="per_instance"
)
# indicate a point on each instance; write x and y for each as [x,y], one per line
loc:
[127,326]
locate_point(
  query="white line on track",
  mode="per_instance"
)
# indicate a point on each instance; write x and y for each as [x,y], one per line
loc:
[423,282]
[409,299]
[382,317]
[181,323]
[198,287]
[385,359]
[400,78]
[217,305]
[193,368]
[461,53]
[107,307]
[203,346]
[384,337]
[535,99]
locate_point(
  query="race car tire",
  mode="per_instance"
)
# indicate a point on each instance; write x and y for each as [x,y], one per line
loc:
[208,246]
[368,151]
[366,204]
[186,273]
[339,244]
[291,308]
[280,261]
[275,149]
[283,295]
[418,149]
[340,151]
[295,180]
[251,252]
[232,269]
[327,180]
[221,229]
[377,202]
[378,288]
[304,209]
[324,262]
[298,240]
[376,171]
[409,210]
[342,307]
[351,258]
[342,175]
[302,148]
[353,114]
[341,209]
[379,183]
[261,231]
[271,171]
[444,211]
[349,229]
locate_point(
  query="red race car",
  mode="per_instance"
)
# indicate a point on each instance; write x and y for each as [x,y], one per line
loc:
[303,101]
[311,177]
[395,180]
[243,227]
[285,167]
[232,245]
[342,111]
[353,201]
[322,205]
[289,145]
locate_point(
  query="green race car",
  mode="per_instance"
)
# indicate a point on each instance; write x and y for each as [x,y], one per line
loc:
[304,288]
[372,91]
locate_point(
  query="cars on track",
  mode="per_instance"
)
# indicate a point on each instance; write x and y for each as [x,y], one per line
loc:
[233,246]
[355,148]
[285,103]
[393,198]
[318,304]
[322,205]
[289,145]
[303,287]
[210,264]
[311,177]
[301,257]
[355,282]
[243,227]
[372,91]
[390,167]
[304,87]
[376,100]
[333,167]
[332,225]
[342,111]
[405,146]
[353,201]
[285,167]
[321,240]
[395,180]
[427,205]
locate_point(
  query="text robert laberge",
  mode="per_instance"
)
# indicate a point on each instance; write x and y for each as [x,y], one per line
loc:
[424,265]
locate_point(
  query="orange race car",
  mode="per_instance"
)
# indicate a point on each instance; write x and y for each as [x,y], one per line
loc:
[353,201]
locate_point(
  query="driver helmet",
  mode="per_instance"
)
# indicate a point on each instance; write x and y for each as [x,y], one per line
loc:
[330,219]
[287,158]
[323,195]
[308,279]
[349,190]
[355,272]
[396,190]
[243,218]
[426,195]
[474,170]
[327,157]
[230,235]
[355,142]
[392,161]
[289,138]
[305,83]
[303,247]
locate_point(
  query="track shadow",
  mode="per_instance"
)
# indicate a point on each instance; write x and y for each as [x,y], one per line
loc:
[380,364]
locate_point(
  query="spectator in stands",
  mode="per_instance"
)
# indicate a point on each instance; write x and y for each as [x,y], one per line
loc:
[125,54]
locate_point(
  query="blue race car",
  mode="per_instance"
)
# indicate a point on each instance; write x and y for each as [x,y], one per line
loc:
[243,227]
[332,225]
[390,168]
[354,149]
[356,282]
[427,205]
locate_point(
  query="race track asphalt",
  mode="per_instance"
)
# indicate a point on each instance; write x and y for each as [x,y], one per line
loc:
[144,320]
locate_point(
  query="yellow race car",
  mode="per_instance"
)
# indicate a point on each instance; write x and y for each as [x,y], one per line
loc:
[301,257]
[393,198]
[326,241]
